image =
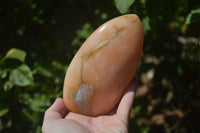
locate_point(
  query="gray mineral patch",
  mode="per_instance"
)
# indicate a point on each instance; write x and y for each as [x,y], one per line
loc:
[82,97]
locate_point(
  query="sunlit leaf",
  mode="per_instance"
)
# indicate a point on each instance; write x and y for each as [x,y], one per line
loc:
[3,74]
[4,111]
[146,25]
[15,54]
[190,17]
[21,76]
[143,2]
[123,5]
[85,31]
[82,34]
[8,85]
[39,103]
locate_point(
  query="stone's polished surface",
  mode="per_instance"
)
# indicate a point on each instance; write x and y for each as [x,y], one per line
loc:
[104,66]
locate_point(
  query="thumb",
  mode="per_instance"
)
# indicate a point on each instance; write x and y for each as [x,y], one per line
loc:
[127,101]
[55,111]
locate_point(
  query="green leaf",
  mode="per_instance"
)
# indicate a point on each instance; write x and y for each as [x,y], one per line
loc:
[42,71]
[38,129]
[21,76]
[1,71]
[190,17]
[39,103]
[4,111]
[85,31]
[8,85]
[82,34]
[123,5]
[146,25]
[32,116]
[3,74]
[57,65]
[145,129]
[16,54]
[137,109]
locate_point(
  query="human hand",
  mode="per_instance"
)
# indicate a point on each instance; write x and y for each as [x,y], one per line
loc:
[59,120]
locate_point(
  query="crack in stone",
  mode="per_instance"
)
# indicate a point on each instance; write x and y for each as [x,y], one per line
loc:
[87,55]
[118,30]
[85,91]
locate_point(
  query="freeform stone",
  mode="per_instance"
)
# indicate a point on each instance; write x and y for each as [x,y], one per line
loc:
[104,66]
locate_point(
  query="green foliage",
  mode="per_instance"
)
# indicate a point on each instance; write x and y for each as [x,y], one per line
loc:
[82,34]
[146,25]
[4,111]
[40,38]
[22,99]
[192,18]
[123,5]
[15,54]
[21,76]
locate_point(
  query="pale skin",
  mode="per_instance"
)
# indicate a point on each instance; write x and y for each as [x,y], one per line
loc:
[58,119]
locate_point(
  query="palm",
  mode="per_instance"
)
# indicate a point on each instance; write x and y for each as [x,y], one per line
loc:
[102,124]
[58,120]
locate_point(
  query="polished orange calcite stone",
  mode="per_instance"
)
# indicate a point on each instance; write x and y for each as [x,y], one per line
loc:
[104,66]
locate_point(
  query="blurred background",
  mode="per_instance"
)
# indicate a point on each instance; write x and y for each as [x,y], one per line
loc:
[38,39]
